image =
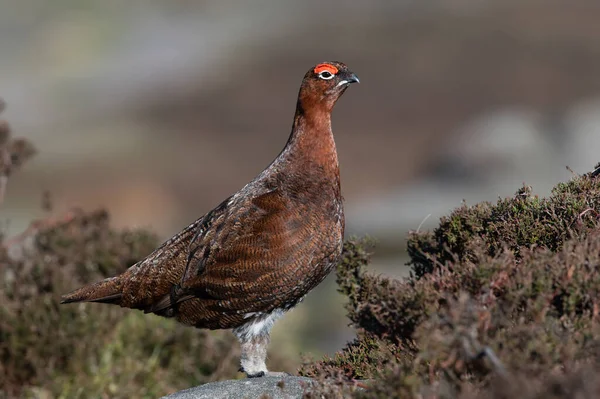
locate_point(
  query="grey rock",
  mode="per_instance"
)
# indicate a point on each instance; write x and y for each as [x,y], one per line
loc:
[287,387]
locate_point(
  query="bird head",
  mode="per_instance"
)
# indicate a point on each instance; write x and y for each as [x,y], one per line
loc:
[324,83]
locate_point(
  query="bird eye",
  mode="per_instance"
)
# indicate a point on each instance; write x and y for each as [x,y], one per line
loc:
[326,75]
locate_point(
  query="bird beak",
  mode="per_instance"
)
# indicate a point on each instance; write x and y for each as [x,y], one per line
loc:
[353,78]
[348,79]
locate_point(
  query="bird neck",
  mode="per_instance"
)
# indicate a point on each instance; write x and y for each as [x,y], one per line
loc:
[311,140]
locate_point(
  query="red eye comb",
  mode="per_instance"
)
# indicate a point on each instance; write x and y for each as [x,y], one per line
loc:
[326,67]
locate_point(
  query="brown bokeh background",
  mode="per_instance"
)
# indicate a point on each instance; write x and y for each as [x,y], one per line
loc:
[159,110]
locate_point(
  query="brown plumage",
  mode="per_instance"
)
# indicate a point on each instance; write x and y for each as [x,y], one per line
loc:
[260,251]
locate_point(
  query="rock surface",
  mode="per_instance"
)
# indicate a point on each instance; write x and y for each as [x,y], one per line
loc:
[288,387]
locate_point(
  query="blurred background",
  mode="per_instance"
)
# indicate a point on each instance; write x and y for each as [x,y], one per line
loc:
[158,110]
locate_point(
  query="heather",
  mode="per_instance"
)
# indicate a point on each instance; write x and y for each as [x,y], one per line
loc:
[503,301]
[89,350]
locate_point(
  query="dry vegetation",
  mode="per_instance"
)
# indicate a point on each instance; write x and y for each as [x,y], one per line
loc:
[503,302]
[89,350]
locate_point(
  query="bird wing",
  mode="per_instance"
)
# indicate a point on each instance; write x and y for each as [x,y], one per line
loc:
[255,244]
[247,256]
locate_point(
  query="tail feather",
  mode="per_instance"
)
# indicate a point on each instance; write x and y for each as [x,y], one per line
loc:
[105,291]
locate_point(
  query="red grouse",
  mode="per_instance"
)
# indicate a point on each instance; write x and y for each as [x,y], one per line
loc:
[258,253]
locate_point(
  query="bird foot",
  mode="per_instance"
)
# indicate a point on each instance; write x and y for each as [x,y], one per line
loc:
[268,374]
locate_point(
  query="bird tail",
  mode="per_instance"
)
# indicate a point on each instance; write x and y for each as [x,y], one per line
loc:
[105,291]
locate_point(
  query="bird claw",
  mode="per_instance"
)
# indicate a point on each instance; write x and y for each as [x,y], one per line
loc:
[269,374]
[256,375]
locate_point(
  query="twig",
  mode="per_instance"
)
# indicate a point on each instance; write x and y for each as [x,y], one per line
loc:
[572,171]
[423,221]
[582,214]
[498,366]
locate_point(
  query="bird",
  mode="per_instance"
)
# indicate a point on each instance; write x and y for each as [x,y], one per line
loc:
[256,255]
